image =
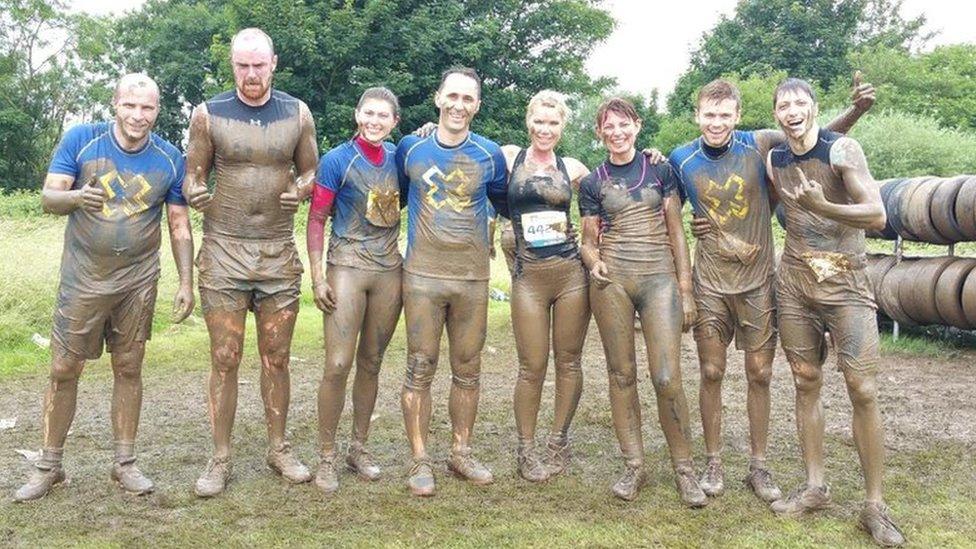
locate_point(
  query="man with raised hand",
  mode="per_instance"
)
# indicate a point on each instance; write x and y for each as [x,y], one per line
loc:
[829,199]
[723,174]
[256,139]
[111,179]
[447,178]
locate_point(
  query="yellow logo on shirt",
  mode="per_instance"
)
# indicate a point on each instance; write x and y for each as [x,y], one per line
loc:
[458,198]
[725,201]
[130,194]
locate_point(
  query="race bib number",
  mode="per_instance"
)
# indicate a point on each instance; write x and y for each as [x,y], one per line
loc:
[544,228]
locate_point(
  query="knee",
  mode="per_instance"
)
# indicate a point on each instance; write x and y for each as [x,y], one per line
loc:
[666,385]
[420,371]
[276,360]
[862,389]
[226,358]
[336,371]
[65,371]
[806,377]
[712,372]
[466,374]
[624,379]
[759,373]
[369,364]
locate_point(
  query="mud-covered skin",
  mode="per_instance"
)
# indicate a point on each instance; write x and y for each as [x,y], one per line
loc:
[367,310]
[430,304]
[654,298]
[634,237]
[248,258]
[507,244]
[830,197]
[366,211]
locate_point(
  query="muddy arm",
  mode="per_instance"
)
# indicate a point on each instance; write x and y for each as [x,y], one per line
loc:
[181,242]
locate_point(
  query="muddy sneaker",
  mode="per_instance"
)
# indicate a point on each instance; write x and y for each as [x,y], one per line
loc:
[558,456]
[283,462]
[688,488]
[131,479]
[530,467]
[713,479]
[802,500]
[628,486]
[214,479]
[875,520]
[39,484]
[760,481]
[421,481]
[468,468]
[360,461]
[327,478]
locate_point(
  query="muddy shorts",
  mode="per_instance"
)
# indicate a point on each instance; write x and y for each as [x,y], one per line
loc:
[750,316]
[842,304]
[248,274]
[84,323]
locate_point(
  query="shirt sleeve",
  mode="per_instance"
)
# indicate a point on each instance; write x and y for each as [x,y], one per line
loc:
[589,196]
[669,181]
[329,174]
[65,158]
[175,193]
[498,186]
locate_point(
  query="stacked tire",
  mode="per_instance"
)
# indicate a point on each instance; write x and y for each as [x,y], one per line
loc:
[924,291]
[935,210]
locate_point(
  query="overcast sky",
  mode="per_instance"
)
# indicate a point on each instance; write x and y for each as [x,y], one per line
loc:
[651,45]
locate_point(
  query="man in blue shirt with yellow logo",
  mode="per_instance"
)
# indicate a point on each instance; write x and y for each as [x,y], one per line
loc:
[447,178]
[111,179]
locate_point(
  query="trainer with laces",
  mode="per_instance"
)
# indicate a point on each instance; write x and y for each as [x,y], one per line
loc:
[257,140]
[829,198]
[111,180]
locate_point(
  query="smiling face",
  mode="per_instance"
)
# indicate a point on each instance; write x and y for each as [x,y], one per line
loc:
[375,119]
[545,127]
[618,133]
[136,109]
[796,112]
[458,102]
[254,64]
[716,120]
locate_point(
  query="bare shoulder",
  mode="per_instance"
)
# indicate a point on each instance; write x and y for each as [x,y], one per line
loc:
[510,152]
[577,170]
[846,153]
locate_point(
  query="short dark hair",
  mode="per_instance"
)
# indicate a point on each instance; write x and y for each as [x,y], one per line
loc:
[464,71]
[794,85]
[719,90]
[617,105]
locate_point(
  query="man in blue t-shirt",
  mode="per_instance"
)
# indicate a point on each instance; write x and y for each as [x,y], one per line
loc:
[111,180]
[447,178]
[723,175]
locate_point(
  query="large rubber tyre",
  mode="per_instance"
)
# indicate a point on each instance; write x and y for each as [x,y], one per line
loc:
[917,290]
[917,219]
[887,233]
[943,209]
[876,269]
[948,293]
[894,205]
[966,208]
[969,297]
[887,297]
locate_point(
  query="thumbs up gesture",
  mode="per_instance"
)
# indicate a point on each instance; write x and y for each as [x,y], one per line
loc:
[862,93]
[197,194]
[289,199]
[93,196]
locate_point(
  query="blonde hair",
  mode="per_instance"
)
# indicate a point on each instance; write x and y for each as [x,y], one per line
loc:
[547,98]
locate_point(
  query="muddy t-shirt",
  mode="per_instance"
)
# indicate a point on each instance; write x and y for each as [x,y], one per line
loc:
[366,210]
[254,151]
[116,248]
[448,189]
[539,198]
[731,190]
[806,232]
[629,200]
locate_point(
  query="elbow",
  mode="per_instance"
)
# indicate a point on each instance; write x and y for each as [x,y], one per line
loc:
[879,220]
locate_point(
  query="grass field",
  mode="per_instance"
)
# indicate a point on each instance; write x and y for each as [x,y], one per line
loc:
[927,399]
